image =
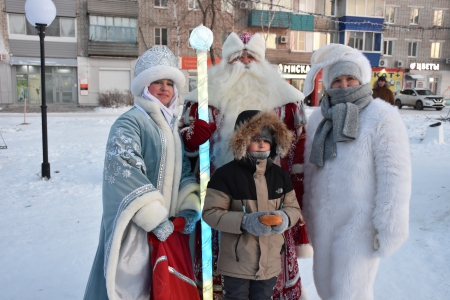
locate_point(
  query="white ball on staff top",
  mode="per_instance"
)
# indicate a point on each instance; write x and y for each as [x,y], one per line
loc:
[201,38]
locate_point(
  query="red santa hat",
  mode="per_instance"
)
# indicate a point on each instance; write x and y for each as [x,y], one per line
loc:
[235,45]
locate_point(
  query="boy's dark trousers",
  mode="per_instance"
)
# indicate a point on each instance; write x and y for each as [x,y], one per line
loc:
[243,289]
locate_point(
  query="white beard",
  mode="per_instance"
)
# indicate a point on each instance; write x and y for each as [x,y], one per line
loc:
[234,88]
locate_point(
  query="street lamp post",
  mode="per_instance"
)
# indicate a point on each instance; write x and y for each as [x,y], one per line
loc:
[41,13]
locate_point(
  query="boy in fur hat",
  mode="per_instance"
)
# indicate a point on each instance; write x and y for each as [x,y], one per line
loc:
[242,191]
[357,176]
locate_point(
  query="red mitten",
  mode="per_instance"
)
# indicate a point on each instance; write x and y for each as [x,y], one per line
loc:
[196,134]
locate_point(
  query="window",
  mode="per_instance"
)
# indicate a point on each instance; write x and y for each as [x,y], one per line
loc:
[388,45]
[161,3]
[412,49]
[161,36]
[305,6]
[321,39]
[438,18]
[373,8]
[330,7]
[390,14]
[270,39]
[364,41]
[414,16]
[112,29]
[60,27]
[298,40]
[435,50]
[193,4]
[284,5]
[227,6]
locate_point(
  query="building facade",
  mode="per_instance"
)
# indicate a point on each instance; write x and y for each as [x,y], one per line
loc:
[92,45]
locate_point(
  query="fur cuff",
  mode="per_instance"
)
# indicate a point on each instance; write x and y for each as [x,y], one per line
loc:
[304,251]
[188,198]
[150,216]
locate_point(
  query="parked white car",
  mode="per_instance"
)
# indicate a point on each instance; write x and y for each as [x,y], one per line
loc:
[419,99]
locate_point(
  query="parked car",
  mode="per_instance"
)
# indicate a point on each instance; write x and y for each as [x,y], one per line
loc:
[419,98]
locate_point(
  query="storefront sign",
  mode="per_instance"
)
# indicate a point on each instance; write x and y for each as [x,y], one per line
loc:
[84,87]
[293,69]
[393,76]
[190,63]
[424,66]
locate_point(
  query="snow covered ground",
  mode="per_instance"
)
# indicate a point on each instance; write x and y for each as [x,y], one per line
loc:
[49,229]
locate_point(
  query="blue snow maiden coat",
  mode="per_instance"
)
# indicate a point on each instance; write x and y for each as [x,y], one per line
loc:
[147,179]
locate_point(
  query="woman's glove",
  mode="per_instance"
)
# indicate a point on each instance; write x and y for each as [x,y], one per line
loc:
[163,230]
[191,217]
[251,223]
[197,133]
[284,225]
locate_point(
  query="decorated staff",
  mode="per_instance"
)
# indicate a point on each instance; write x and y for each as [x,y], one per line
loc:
[201,40]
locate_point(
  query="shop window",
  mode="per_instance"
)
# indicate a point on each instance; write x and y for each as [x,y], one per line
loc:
[161,36]
[60,27]
[390,15]
[412,49]
[388,46]
[112,29]
[438,18]
[298,40]
[161,3]
[414,16]
[364,41]
[435,50]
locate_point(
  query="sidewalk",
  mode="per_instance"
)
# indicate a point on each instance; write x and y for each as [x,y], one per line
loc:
[50,109]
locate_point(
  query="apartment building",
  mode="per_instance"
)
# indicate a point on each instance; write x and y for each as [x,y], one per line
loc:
[416,37]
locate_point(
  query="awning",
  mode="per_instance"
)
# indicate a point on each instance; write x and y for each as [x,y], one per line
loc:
[49,62]
[414,77]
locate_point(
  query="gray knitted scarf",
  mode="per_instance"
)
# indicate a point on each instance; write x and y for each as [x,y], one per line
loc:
[340,109]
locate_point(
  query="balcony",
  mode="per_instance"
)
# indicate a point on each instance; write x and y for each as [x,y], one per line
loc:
[280,19]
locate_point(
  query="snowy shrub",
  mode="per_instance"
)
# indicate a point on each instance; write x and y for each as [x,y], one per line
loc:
[115,98]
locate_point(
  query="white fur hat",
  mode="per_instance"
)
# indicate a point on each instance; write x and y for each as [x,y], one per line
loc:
[234,45]
[326,57]
[156,63]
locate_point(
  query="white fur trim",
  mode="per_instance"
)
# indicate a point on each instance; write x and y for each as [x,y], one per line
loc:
[121,225]
[326,56]
[297,169]
[234,44]
[155,73]
[188,198]
[304,251]
[150,215]
[173,152]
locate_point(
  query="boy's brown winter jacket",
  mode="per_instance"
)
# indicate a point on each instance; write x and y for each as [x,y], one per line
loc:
[257,185]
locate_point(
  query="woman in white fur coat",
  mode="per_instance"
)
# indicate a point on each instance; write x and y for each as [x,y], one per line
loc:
[357,176]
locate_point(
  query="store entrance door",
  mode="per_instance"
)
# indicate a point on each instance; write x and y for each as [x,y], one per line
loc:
[63,86]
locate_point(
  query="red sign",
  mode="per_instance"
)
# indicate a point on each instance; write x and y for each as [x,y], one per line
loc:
[190,63]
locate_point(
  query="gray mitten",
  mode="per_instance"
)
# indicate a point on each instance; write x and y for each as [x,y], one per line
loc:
[376,242]
[163,230]
[251,223]
[191,217]
[284,225]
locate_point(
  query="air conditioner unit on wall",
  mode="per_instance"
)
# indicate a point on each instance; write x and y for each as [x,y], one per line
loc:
[244,5]
[399,64]
[283,39]
[383,62]
[447,61]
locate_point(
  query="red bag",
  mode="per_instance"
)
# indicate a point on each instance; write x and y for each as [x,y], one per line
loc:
[173,274]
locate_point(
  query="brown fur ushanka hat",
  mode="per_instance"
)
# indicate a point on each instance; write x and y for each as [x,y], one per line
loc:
[250,123]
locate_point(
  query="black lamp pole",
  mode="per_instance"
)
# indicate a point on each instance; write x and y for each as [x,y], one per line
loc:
[45,168]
